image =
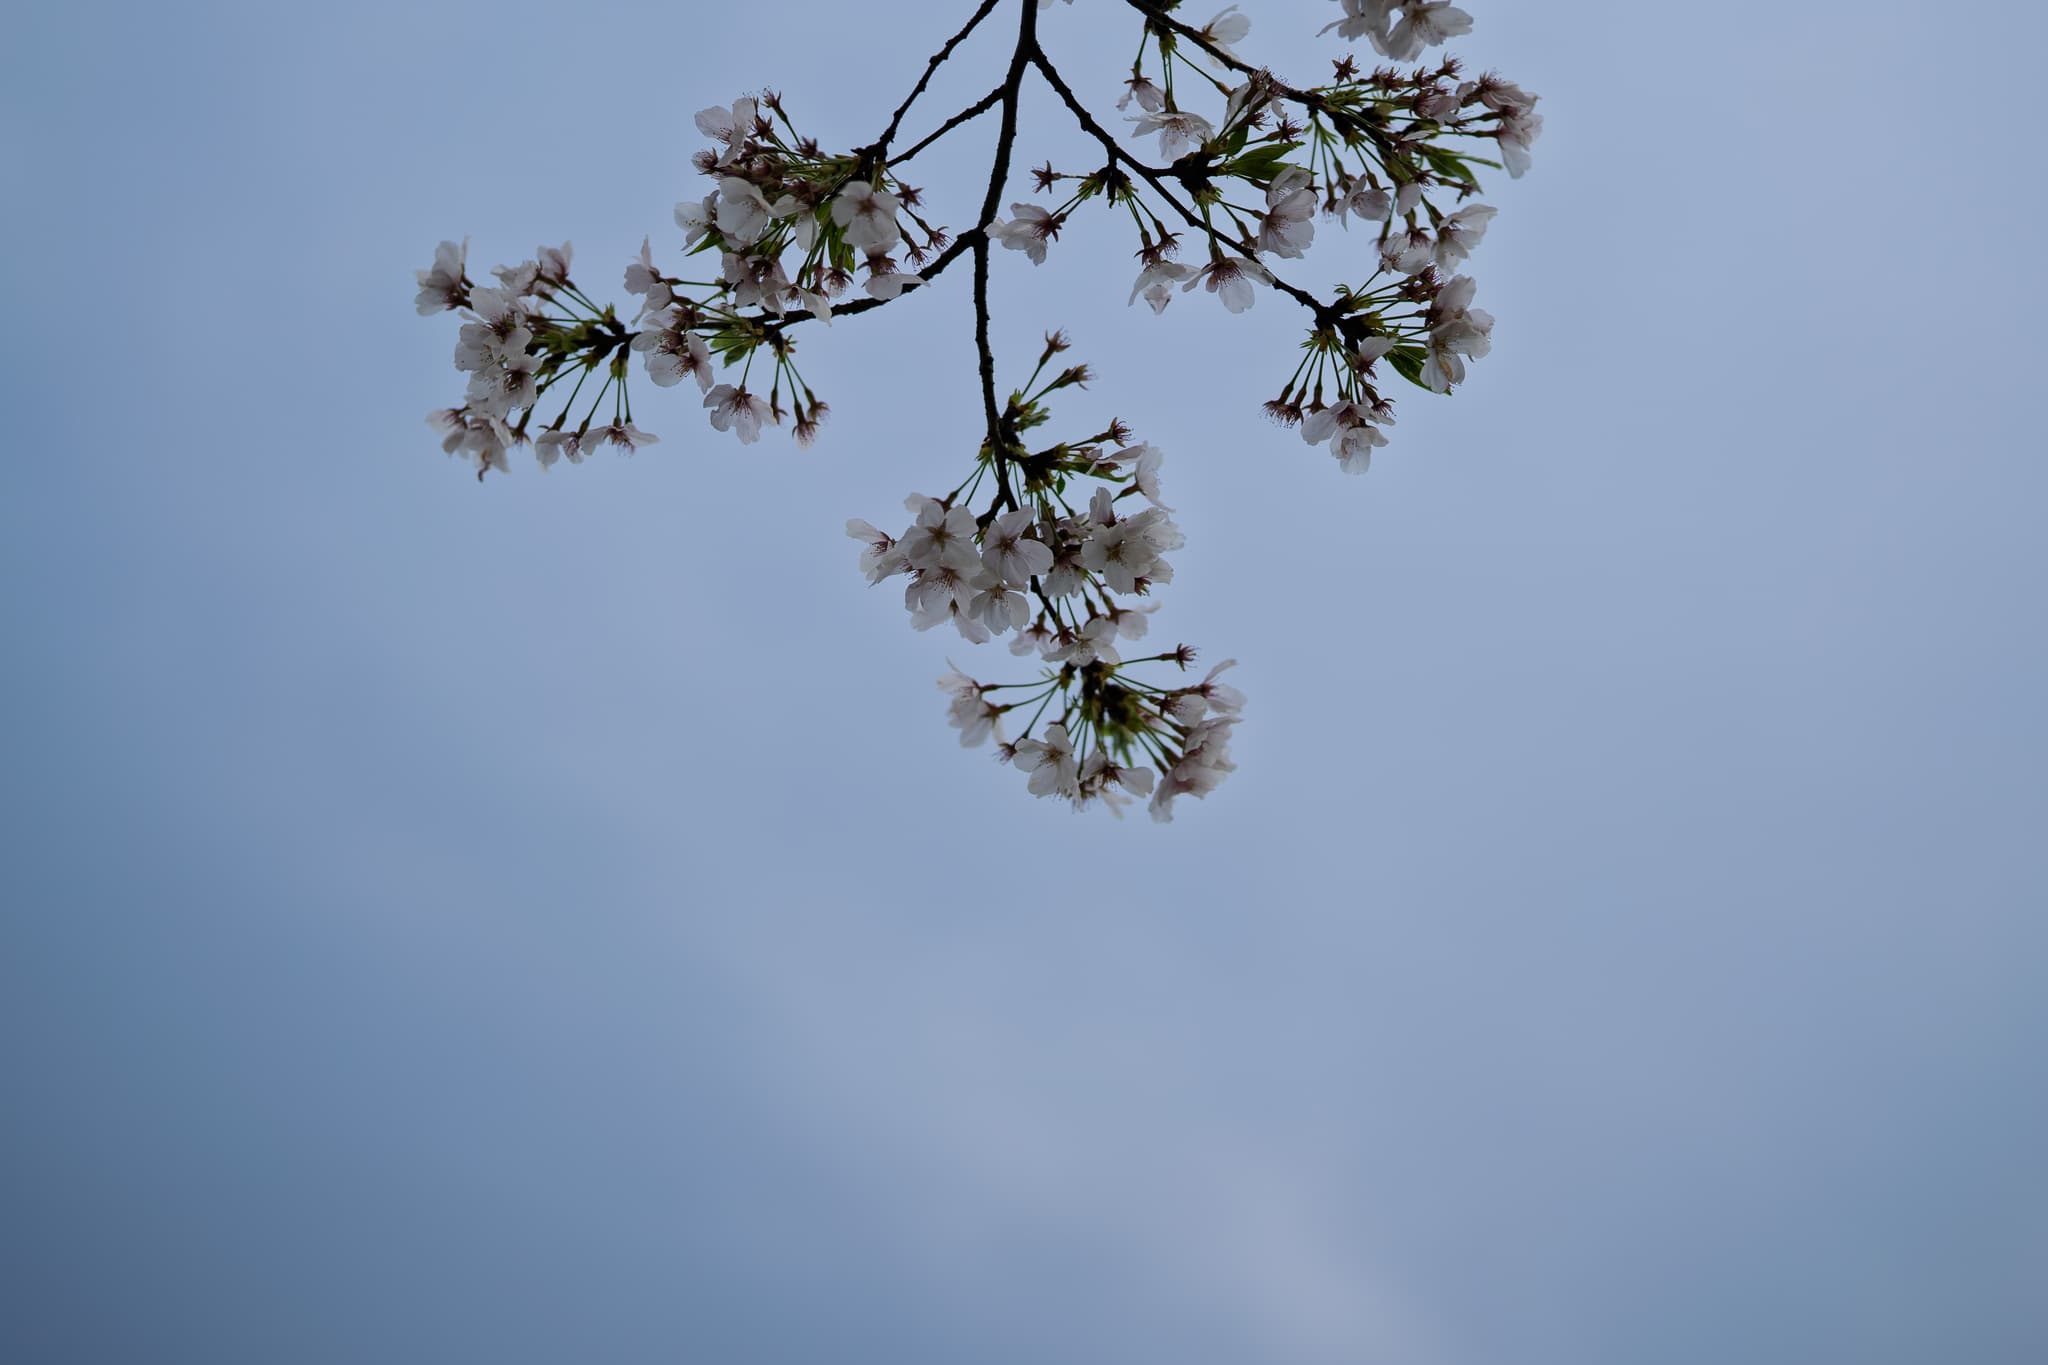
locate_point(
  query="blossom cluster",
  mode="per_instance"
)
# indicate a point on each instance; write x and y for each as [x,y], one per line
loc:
[1019,548]
[1379,147]
[1224,173]
[519,340]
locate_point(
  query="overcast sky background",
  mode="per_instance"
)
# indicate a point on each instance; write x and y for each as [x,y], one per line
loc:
[551,920]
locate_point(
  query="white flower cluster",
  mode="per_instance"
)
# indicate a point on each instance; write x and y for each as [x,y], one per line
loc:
[1070,586]
[513,350]
[1375,147]
[1223,171]
[983,574]
[1115,737]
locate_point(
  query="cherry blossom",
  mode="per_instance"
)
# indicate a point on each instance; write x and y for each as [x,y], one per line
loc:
[1053,535]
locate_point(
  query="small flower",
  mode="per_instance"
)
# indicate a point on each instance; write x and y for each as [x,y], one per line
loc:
[1008,553]
[1156,283]
[673,352]
[743,212]
[623,434]
[499,333]
[643,279]
[1145,460]
[882,558]
[997,605]
[698,218]
[1028,232]
[442,285]
[1227,28]
[1460,232]
[1456,331]
[1150,97]
[554,264]
[1289,224]
[1050,762]
[730,126]
[496,392]
[1180,132]
[884,282]
[1408,252]
[554,443]
[1517,132]
[1230,279]
[1424,23]
[942,536]
[970,712]
[868,217]
[736,410]
[1371,203]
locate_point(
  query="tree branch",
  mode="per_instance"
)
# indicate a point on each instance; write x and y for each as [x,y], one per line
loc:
[998,176]
[1153,178]
[938,59]
[967,115]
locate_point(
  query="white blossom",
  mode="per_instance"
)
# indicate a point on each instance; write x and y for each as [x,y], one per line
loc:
[1028,231]
[942,536]
[884,281]
[1127,549]
[1457,234]
[1203,763]
[1409,251]
[868,217]
[643,279]
[554,264]
[1180,131]
[730,126]
[1050,762]
[1289,224]
[554,443]
[971,712]
[1145,460]
[497,391]
[1423,24]
[1517,132]
[1371,203]
[882,558]
[743,213]
[736,410]
[1008,552]
[1230,279]
[1140,88]
[1156,283]
[622,434]
[1456,331]
[673,352]
[1363,19]
[441,283]
[1227,28]
[697,217]
[997,605]
[499,333]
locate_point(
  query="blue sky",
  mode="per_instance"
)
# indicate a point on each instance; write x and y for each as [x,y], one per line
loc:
[552,920]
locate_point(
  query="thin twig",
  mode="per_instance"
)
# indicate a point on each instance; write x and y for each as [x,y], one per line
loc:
[938,59]
[967,115]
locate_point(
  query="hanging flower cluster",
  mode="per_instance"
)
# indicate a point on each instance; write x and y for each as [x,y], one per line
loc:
[1222,170]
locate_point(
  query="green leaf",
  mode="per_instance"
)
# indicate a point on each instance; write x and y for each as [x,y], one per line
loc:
[1261,165]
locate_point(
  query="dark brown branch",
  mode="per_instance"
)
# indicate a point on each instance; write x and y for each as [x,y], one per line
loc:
[938,59]
[1162,20]
[998,176]
[967,115]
